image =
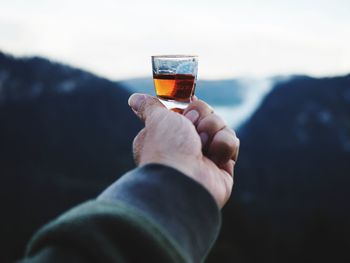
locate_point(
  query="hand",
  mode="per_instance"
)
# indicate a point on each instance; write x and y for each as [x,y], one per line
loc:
[197,143]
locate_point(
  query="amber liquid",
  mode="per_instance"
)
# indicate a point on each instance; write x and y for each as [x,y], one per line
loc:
[178,87]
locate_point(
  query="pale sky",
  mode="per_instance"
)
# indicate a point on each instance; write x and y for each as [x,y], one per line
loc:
[115,39]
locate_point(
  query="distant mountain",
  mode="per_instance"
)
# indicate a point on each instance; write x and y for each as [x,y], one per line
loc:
[65,135]
[291,201]
[228,92]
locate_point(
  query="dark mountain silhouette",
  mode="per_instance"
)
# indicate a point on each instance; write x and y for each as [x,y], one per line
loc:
[65,135]
[291,201]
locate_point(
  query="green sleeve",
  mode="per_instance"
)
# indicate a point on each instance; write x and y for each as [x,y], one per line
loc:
[152,214]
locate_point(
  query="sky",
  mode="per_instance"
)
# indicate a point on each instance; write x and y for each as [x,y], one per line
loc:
[242,38]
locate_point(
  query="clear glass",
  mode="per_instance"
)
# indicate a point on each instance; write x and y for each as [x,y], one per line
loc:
[174,78]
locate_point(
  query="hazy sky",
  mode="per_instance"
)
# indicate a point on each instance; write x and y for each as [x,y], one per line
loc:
[232,38]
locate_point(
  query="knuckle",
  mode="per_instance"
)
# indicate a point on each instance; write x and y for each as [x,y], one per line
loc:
[231,132]
[228,144]
[211,124]
[224,144]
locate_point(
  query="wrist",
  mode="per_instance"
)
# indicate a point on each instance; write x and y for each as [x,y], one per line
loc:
[186,165]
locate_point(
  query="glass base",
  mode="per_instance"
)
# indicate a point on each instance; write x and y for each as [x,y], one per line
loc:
[174,105]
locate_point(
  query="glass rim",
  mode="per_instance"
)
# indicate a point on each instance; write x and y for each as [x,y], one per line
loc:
[175,56]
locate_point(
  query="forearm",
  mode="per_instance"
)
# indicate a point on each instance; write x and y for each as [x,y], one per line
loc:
[153,212]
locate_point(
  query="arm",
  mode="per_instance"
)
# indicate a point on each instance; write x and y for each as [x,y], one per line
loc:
[167,210]
[173,219]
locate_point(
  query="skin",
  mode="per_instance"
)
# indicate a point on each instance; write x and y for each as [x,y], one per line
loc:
[197,143]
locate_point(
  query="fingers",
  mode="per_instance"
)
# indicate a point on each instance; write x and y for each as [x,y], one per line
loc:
[219,142]
[197,110]
[144,106]
[223,147]
[210,125]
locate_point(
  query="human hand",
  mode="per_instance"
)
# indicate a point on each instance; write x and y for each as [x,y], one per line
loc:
[197,143]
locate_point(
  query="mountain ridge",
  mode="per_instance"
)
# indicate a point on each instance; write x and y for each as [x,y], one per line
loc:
[66,135]
[292,177]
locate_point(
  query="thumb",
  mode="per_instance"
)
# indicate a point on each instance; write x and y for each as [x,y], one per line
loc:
[138,145]
[144,105]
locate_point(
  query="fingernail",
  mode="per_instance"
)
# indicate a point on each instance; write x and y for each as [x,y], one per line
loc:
[136,100]
[192,115]
[204,138]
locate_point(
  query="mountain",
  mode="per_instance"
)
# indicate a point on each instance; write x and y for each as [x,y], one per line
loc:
[65,135]
[291,201]
[228,92]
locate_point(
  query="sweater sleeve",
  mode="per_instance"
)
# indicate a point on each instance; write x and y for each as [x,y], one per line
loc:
[151,214]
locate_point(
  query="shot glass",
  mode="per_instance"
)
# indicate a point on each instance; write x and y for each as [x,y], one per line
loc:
[174,78]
